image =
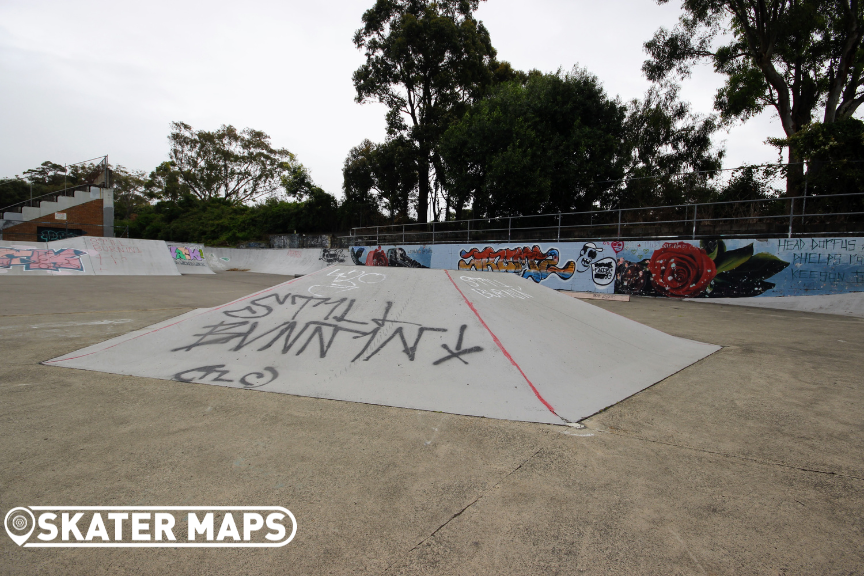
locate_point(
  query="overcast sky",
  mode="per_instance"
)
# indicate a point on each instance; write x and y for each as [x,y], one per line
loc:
[92,77]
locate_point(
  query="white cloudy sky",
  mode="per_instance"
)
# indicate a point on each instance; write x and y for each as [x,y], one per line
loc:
[90,77]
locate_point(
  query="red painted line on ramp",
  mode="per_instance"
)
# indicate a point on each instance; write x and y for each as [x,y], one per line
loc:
[181,321]
[501,346]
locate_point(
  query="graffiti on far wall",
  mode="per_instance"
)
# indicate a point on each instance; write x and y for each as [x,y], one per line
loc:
[332,255]
[45,234]
[42,260]
[683,270]
[531,263]
[712,268]
[602,268]
[395,257]
[187,255]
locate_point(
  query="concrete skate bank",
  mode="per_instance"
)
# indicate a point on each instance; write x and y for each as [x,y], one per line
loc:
[465,343]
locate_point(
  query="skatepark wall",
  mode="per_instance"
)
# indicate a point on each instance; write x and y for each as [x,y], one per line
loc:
[730,268]
[87,255]
[290,262]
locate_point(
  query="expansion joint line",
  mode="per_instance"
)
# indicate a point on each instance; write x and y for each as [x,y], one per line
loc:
[625,434]
[469,505]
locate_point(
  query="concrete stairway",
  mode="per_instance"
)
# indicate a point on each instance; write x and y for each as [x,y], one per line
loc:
[47,207]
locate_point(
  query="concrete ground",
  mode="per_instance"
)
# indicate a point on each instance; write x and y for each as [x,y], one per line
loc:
[748,462]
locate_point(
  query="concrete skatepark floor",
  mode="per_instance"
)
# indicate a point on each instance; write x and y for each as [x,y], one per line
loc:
[747,462]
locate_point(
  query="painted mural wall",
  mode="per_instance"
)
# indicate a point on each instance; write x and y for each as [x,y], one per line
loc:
[731,268]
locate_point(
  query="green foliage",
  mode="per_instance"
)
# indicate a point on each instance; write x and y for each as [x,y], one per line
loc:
[792,56]
[425,60]
[239,166]
[537,147]
[382,178]
[219,222]
[663,138]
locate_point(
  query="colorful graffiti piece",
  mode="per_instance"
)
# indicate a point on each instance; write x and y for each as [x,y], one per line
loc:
[683,270]
[43,260]
[528,262]
[331,255]
[187,253]
[394,257]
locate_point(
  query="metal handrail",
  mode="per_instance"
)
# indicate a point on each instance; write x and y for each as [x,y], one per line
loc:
[405,231]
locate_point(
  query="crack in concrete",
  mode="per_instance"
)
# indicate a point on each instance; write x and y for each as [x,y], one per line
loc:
[466,507]
[624,434]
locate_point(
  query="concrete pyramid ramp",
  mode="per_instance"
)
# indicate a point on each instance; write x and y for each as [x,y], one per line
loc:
[481,344]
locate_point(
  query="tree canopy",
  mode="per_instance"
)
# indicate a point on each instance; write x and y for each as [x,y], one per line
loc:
[795,56]
[238,165]
[538,147]
[424,60]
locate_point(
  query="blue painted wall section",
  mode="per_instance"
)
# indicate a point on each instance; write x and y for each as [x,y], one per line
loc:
[730,268]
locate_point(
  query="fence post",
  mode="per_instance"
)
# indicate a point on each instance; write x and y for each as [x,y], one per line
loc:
[695,206]
[433,232]
[377,243]
[469,231]
[791,214]
[509,225]
[403,233]
[804,200]
[559,227]
[619,223]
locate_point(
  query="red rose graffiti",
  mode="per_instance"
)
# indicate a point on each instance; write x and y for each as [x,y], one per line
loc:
[681,270]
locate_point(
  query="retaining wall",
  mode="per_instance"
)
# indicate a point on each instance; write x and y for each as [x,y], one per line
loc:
[88,255]
[692,269]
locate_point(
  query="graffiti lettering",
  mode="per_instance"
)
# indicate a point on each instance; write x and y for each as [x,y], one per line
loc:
[113,245]
[215,374]
[528,262]
[315,324]
[342,281]
[459,352]
[186,253]
[817,258]
[489,288]
[43,260]
[856,277]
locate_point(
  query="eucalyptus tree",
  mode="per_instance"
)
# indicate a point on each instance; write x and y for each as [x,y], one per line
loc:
[240,166]
[803,58]
[425,60]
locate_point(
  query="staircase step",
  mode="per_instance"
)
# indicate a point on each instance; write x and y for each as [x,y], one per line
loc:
[47,207]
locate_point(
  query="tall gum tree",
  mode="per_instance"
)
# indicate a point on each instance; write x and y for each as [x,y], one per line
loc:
[795,56]
[424,61]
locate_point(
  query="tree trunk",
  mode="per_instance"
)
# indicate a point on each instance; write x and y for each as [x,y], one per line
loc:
[794,175]
[423,187]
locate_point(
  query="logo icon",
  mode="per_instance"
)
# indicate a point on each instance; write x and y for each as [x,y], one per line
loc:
[19,523]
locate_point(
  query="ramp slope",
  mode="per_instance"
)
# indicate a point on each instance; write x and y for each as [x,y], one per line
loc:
[475,344]
[289,262]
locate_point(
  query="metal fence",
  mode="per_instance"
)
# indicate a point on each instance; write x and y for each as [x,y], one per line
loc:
[830,214]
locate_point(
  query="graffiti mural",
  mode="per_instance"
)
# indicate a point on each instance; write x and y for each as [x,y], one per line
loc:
[602,269]
[331,255]
[187,255]
[710,270]
[396,257]
[730,268]
[531,263]
[43,260]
